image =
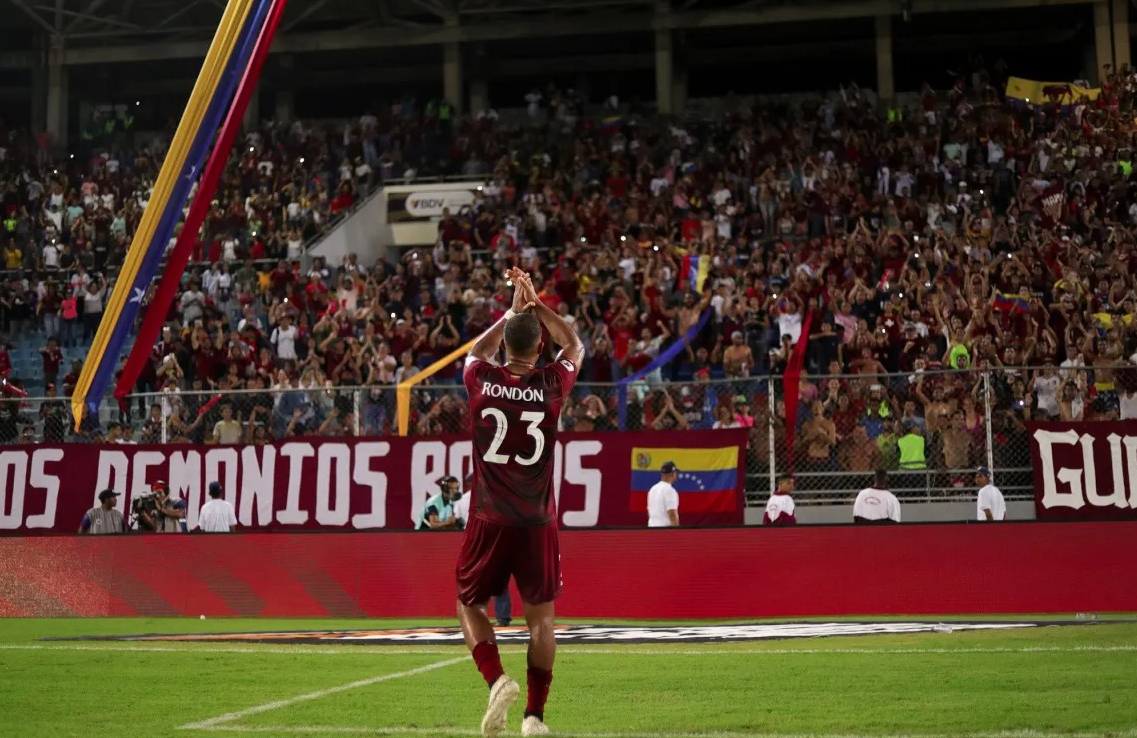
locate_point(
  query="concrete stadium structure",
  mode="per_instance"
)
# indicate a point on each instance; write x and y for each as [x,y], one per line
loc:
[54,48]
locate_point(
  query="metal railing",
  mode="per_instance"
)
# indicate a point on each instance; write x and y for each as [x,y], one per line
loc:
[930,429]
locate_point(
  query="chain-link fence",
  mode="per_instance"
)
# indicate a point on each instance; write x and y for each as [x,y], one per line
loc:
[931,429]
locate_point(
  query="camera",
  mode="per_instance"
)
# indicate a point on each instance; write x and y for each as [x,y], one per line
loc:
[144,513]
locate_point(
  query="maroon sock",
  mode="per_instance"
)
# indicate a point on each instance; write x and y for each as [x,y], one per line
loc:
[539,681]
[488,661]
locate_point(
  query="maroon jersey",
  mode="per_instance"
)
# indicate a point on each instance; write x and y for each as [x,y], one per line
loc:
[514,420]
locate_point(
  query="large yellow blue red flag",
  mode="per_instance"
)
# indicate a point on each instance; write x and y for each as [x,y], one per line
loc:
[708,480]
[228,55]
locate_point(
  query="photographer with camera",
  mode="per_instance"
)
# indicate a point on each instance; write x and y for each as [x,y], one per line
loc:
[171,511]
[144,513]
[157,512]
[438,513]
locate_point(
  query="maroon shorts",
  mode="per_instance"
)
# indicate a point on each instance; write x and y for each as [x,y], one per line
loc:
[493,552]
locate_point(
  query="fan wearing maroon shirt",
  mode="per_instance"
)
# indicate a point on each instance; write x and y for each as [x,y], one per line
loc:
[52,360]
[5,359]
[512,528]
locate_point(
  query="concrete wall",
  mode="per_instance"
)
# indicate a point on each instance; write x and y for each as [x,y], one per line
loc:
[367,232]
[360,233]
[927,512]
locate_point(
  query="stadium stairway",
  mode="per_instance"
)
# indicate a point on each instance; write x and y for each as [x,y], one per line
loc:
[358,230]
[336,230]
[27,364]
[27,367]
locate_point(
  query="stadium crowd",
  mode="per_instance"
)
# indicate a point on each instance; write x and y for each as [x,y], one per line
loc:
[958,252]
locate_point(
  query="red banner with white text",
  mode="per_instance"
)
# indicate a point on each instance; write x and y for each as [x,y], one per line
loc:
[354,484]
[1084,471]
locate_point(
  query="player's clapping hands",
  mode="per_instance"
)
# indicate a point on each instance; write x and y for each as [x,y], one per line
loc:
[524,295]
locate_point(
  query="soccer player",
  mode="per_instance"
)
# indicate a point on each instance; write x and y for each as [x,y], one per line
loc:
[512,529]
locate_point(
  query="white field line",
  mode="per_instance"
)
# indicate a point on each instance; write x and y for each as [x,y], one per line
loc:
[395,731]
[231,716]
[223,723]
[565,649]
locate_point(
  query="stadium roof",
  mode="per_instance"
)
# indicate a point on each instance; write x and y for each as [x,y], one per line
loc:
[110,31]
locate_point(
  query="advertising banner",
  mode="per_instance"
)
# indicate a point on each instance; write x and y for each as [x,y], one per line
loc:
[655,573]
[403,207]
[1084,471]
[1039,93]
[601,480]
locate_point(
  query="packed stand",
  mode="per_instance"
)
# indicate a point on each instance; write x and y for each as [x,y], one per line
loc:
[69,219]
[958,253]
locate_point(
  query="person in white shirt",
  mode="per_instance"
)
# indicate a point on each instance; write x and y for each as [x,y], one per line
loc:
[229,248]
[533,103]
[284,338]
[663,500]
[193,304]
[250,321]
[209,281]
[1045,386]
[990,503]
[462,506]
[50,255]
[876,504]
[789,318]
[780,507]
[217,515]
[1127,403]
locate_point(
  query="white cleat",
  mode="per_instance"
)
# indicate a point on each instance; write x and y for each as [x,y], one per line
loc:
[502,696]
[532,725]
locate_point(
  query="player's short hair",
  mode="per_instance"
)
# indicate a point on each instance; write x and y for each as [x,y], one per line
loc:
[881,479]
[522,334]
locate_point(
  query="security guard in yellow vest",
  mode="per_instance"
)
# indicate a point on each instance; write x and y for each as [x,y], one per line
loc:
[877,405]
[911,446]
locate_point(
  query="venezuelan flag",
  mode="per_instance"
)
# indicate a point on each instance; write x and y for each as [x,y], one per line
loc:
[701,273]
[708,479]
[163,298]
[227,56]
[610,124]
[1010,303]
[695,269]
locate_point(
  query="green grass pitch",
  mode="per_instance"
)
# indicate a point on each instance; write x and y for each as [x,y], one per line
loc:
[1028,683]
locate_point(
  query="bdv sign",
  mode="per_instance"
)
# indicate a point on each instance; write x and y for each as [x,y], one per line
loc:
[432,204]
[1084,470]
